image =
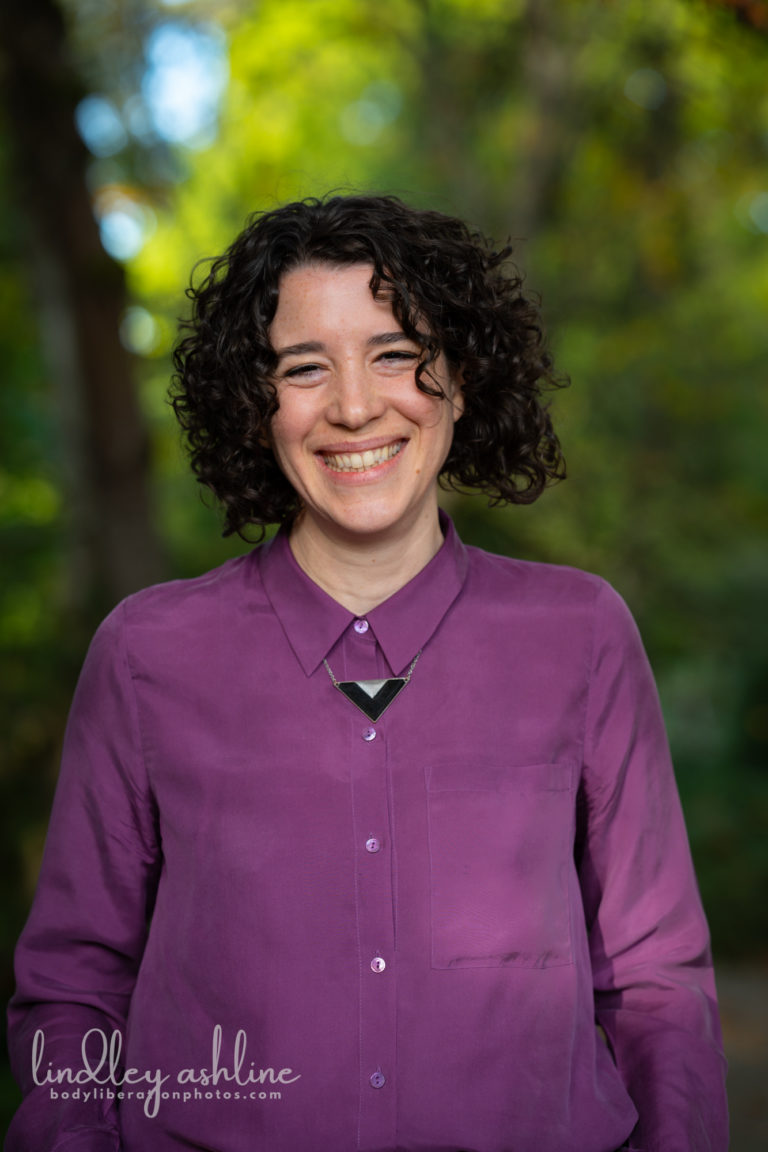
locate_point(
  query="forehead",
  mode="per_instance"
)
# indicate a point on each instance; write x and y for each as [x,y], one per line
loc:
[328,297]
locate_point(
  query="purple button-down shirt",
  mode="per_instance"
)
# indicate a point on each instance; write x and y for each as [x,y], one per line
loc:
[315,932]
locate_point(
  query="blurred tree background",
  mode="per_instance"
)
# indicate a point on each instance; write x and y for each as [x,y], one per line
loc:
[622,145]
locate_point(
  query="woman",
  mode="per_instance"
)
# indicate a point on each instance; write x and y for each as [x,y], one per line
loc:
[366,840]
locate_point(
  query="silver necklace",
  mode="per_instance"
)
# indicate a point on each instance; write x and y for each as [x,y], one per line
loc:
[373,697]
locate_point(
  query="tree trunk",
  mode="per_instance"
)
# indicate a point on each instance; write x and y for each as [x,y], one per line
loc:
[112,548]
[464,88]
[546,145]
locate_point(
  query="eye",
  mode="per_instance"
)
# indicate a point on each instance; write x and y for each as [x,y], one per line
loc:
[302,371]
[397,355]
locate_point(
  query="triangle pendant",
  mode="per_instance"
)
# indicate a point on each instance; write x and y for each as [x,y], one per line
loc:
[372,697]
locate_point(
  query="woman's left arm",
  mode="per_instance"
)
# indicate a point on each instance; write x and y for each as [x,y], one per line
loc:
[649,942]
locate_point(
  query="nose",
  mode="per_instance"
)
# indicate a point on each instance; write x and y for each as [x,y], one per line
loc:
[356,397]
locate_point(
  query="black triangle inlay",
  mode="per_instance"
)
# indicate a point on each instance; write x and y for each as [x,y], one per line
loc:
[372,697]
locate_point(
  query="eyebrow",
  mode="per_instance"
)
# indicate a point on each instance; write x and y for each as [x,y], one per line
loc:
[374,341]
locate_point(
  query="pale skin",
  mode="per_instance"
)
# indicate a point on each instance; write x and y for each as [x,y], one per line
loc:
[360,443]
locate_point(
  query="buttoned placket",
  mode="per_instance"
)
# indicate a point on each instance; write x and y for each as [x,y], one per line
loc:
[372,647]
[362,659]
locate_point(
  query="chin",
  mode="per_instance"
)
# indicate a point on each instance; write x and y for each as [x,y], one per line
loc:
[367,522]
[368,525]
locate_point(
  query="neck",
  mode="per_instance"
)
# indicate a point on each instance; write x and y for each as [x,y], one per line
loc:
[363,573]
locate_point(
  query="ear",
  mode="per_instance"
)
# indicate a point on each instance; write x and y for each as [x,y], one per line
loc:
[455,395]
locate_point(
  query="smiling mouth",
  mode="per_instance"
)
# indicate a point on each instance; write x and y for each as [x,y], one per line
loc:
[361,461]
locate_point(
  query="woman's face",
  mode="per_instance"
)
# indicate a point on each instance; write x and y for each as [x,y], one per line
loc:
[360,443]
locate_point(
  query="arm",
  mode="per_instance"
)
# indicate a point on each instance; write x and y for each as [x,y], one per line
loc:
[649,942]
[78,956]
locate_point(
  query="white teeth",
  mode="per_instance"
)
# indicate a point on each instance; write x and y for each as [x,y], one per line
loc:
[360,461]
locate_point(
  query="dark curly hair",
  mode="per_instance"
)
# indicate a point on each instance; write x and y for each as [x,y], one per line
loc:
[463,293]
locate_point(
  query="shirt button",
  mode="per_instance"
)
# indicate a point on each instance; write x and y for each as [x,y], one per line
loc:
[378,1080]
[378,964]
[369,734]
[360,626]
[372,844]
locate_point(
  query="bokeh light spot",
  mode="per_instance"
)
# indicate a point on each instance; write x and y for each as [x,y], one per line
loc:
[647,88]
[758,211]
[363,121]
[124,223]
[139,331]
[100,126]
[186,74]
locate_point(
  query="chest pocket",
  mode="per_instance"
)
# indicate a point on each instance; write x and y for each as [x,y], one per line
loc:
[501,860]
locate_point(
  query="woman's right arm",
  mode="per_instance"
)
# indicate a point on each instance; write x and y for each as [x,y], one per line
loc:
[79,954]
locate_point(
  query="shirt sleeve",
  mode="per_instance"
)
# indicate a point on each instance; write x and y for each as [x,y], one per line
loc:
[78,956]
[652,968]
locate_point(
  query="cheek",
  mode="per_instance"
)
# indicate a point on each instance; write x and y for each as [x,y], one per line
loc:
[439,421]
[429,412]
[287,428]
[437,414]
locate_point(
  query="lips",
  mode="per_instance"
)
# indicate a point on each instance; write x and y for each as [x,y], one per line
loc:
[361,461]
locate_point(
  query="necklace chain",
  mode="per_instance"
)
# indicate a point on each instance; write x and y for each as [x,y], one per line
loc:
[406,678]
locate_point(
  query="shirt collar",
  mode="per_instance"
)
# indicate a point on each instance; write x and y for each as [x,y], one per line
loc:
[313,621]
